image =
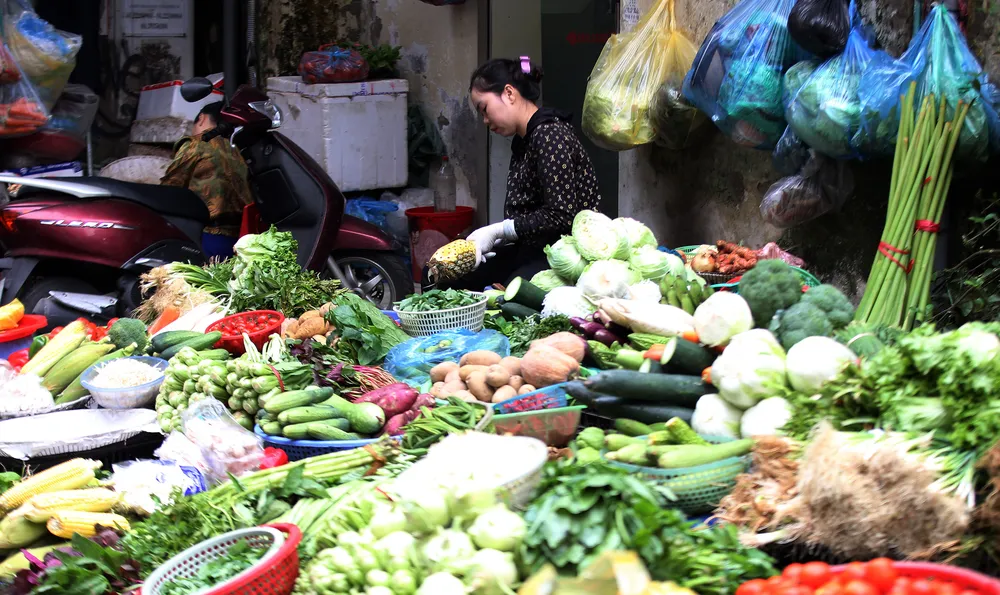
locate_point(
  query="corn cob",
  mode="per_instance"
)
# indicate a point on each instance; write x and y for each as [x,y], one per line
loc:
[16,531]
[73,365]
[41,507]
[71,475]
[60,346]
[75,389]
[451,261]
[64,523]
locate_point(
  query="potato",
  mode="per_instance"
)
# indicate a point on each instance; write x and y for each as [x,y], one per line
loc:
[453,387]
[503,393]
[466,396]
[477,386]
[311,314]
[513,365]
[326,308]
[526,388]
[453,376]
[465,371]
[437,391]
[440,371]
[516,382]
[497,376]
[480,358]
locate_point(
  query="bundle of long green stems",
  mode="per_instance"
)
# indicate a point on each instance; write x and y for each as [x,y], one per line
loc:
[899,284]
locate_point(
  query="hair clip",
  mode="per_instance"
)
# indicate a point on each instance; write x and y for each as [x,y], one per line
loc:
[525,64]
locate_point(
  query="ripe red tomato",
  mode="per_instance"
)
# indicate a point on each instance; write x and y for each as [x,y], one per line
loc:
[792,573]
[881,573]
[776,582]
[921,587]
[946,588]
[757,586]
[814,574]
[969,592]
[854,571]
[861,587]
[833,587]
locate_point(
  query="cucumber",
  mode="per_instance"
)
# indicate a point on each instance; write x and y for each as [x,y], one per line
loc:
[296,432]
[694,455]
[323,430]
[630,427]
[658,426]
[168,339]
[524,292]
[681,356]
[271,428]
[203,342]
[614,442]
[306,414]
[661,437]
[296,398]
[666,389]
[633,454]
[365,418]
[511,311]
[647,413]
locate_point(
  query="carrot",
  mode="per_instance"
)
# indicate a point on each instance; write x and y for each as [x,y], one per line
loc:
[168,315]
[706,375]
[655,352]
[691,336]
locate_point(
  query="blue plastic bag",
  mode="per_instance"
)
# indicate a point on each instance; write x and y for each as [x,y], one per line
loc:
[411,361]
[736,77]
[372,211]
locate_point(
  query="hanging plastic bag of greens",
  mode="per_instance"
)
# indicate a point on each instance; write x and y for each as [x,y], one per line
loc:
[820,26]
[678,124]
[882,84]
[630,69]
[822,186]
[736,77]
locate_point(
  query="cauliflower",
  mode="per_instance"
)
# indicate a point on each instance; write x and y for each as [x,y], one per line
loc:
[770,286]
[839,310]
[798,322]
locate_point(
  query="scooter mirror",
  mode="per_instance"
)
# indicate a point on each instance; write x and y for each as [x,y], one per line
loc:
[196,89]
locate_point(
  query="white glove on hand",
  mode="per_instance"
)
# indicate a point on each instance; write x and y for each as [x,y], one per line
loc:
[489,238]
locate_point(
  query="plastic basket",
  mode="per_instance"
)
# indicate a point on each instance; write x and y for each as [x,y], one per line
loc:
[549,397]
[698,489]
[422,324]
[522,489]
[274,574]
[234,343]
[303,449]
[20,337]
[555,427]
[132,397]
[961,577]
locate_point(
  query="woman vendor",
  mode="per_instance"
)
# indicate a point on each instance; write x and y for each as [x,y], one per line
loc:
[549,181]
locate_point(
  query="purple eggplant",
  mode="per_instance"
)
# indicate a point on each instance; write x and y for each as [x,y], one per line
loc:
[578,323]
[587,328]
[607,337]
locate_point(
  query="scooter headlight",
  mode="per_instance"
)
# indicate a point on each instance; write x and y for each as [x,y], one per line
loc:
[268,109]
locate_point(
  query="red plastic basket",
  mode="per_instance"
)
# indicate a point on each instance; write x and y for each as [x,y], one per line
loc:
[961,577]
[234,343]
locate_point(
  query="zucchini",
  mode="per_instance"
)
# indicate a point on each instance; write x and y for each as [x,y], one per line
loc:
[365,418]
[630,427]
[614,442]
[323,430]
[629,359]
[647,413]
[581,394]
[667,389]
[683,434]
[307,413]
[524,292]
[694,455]
[633,454]
[649,366]
[202,342]
[511,311]
[681,356]
[296,398]
[168,339]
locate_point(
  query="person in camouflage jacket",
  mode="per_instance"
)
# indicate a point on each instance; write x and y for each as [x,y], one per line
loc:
[209,166]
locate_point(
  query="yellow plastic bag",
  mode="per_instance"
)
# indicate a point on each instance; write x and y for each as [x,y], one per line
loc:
[613,573]
[678,124]
[630,69]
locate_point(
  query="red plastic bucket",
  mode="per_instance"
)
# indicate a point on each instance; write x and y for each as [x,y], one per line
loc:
[430,229]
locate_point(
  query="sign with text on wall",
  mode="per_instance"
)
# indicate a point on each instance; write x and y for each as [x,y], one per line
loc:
[156,18]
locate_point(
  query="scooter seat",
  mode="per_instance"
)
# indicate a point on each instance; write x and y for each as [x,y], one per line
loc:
[167,200]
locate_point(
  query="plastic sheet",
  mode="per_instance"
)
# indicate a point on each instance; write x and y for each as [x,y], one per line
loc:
[411,361]
[737,75]
[46,55]
[823,186]
[632,66]
[820,26]
[333,65]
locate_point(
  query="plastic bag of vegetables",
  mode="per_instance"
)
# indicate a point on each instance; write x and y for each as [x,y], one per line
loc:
[630,69]
[822,186]
[736,77]
[791,154]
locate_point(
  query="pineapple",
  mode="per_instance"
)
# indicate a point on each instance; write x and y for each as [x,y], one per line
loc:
[451,261]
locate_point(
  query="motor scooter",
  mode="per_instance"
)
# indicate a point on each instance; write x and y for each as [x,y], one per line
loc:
[78,246]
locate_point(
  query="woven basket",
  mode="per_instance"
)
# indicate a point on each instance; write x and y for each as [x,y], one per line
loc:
[422,324]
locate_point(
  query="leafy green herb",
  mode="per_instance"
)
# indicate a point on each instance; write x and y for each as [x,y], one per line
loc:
[364,335]
[7,480]
[237,558]
[438,299]
[91,569]
[523,331]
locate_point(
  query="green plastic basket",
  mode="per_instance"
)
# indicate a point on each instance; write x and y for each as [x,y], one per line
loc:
[698,489]
[555,427]
[808,279]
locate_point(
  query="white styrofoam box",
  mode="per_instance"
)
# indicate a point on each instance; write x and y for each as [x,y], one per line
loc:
[163,100]
[356,131]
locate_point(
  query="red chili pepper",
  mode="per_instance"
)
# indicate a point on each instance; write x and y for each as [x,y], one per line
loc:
[273,457]
[18,359]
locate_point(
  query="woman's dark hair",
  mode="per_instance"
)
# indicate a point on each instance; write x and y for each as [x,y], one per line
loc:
[496,74]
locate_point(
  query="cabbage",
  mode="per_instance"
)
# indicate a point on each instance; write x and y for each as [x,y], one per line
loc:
[637,233]
[675,266]
[815,361]
[751,368]
[567,301]
[547,280]
[645,291]
[598,237]
[565,260]
[607,278]
[721,317]
[650,262]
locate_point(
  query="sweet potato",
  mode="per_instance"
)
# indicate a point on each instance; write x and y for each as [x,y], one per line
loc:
[396,423]
[441,371]
[497,376]
[467,370]
[503,393]
[424,400]
[309,327]
[310,314]
[571,344]
[393,399]
[513,365]
[480,358]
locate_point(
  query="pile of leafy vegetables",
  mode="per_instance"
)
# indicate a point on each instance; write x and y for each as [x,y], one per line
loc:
[584,510]
[362,335]
[522,331]
[88,567]
[438,299]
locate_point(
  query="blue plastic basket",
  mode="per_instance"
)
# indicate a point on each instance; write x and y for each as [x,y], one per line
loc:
[303,449]
[548,397]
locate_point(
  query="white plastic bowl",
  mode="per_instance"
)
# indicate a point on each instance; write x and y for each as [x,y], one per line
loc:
[125,398]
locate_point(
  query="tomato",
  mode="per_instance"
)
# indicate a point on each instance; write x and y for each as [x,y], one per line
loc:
[814,574]
[854,571]
[946,588]
[792,573]
[777,582]
[881,573]
[921,587]
[861,587]
[831,588]
[969,592]
[790,589]
[757,586]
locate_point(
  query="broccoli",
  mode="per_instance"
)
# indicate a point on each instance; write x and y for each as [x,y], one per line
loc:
[126,331]
[770,286]
[831,300]
[798,322]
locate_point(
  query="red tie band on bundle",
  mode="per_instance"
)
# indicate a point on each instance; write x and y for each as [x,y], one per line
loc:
[927,225]
[887,249]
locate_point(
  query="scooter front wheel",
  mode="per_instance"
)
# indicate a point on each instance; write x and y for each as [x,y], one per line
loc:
[380,277]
